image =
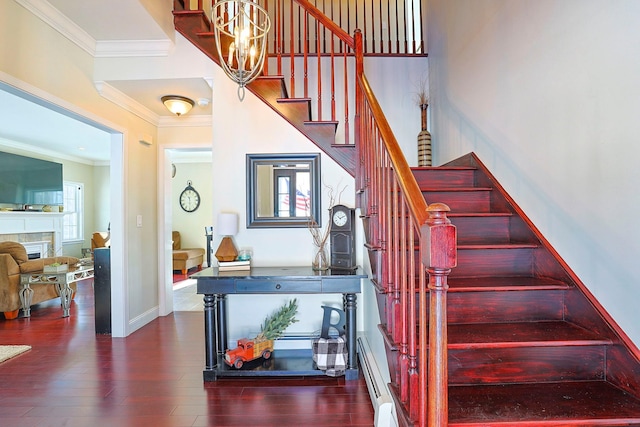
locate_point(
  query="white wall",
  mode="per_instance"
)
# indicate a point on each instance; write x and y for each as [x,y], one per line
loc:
[252,127]
[395,83]
[546,93]
[101,198]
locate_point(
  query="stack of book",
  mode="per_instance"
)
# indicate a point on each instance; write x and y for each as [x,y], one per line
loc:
[234,265]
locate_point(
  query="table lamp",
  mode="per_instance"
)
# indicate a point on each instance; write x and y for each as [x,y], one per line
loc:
[227,227]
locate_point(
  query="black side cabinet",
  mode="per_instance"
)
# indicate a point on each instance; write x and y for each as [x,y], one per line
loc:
[102,289]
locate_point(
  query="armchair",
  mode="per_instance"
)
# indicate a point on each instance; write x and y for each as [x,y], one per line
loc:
[13,262]
[185,258]
[100,239]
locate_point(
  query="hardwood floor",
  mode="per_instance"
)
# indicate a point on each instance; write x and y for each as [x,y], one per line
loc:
[74,378]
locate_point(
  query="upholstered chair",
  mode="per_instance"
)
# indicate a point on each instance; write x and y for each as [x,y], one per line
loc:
[13,262]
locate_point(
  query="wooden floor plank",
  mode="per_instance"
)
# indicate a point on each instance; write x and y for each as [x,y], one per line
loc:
[73,377]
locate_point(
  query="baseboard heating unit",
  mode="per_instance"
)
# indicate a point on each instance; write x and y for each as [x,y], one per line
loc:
[380,398]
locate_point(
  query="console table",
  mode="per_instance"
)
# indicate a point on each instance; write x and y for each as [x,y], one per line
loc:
[216,285]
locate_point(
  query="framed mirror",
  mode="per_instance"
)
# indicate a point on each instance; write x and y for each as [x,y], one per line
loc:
[283,190]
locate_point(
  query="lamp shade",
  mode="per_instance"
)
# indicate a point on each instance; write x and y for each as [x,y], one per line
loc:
[227,224]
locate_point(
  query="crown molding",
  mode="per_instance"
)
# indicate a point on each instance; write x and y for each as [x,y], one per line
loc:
[46,152]
[120,99]
[99,49]
[61,23]
[133,48]
[185,121]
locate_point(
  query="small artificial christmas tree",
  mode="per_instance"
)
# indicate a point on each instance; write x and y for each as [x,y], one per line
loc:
[275,325]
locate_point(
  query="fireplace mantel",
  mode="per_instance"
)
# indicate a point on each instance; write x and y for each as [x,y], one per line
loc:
[24,223]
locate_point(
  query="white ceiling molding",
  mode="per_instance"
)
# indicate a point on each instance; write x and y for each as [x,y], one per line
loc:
[100,49]
[185,121]
[44,152]
[133,48]
[59,22]
[120,99]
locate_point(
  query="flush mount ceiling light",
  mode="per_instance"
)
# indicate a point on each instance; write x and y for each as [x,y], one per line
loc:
[240,29]
[178,105]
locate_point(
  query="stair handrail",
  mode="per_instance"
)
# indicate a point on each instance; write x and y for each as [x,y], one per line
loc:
[326,22]
[407,182]
[391,195]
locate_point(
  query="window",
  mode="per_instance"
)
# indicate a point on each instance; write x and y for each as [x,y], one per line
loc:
[72,225]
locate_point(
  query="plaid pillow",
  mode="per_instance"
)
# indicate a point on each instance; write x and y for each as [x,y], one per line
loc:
[330,355]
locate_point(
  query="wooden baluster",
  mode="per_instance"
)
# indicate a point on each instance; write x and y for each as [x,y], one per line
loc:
[403,335]
[413,28]
[347,123]
[380,26]
[397,29]
[388,220]
[306,55]
[389,25]
[265,67]
[438,251]
[419,374]
[359,96]
[324,31]
[333,82]
[292,57]
[421,48]
[278,30]
[404,20]
[319,75]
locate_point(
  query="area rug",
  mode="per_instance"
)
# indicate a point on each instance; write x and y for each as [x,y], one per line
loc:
[9,351]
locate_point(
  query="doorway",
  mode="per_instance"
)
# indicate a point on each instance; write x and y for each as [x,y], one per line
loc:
[30,117]
[181,165]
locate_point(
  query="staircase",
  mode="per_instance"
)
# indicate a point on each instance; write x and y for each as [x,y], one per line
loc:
[271,88]
[528,345]
[514,337]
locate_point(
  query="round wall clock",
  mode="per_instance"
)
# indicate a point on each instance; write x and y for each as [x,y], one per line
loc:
[189,198]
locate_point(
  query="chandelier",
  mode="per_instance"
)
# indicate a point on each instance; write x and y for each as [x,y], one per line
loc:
[240,29]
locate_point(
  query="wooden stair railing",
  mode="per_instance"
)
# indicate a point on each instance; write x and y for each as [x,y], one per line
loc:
[311,56]
[390,200]
[326,78]
[396,213]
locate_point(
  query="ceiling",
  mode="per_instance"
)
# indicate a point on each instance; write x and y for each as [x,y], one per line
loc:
[29,121]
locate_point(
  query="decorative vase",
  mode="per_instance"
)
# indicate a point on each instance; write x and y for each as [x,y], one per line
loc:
[321,259]
[424,139]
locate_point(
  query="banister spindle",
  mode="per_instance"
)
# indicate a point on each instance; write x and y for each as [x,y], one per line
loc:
[439,256]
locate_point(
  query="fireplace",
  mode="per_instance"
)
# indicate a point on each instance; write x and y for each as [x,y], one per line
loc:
[39,232]
[36,250]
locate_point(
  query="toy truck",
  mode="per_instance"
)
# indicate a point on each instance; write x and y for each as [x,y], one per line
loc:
[248,350]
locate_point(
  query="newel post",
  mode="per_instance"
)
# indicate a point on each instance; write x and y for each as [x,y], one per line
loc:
[439,255]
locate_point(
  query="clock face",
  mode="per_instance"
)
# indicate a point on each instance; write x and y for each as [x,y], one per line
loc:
[340,218]
[189,199]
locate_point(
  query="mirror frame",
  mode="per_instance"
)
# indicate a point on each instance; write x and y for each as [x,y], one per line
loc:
[255,160]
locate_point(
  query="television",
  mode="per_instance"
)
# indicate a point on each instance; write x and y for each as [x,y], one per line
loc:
[29,181]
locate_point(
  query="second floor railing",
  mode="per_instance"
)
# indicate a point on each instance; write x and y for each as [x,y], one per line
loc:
[389,27]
